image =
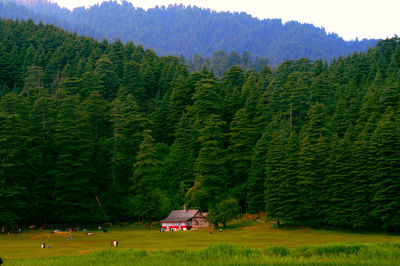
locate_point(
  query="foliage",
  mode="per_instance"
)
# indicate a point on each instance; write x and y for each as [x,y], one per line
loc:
[217,40]
[96,131]
[223,212]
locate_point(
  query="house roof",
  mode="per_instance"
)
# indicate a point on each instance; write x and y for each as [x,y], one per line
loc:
[180,216]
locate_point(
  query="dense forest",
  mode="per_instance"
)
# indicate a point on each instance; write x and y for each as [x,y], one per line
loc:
[190,31]
[95,131]
[40,11]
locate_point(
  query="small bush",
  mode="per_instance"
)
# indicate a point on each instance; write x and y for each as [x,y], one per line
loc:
[221,250]
[280,251]
[329,250]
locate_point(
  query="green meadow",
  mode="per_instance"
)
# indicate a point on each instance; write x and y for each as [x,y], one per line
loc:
[243,242]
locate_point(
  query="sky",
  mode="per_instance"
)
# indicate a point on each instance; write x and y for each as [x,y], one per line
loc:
[350,19]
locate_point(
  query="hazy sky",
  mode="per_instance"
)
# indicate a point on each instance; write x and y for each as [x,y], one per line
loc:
[348,18]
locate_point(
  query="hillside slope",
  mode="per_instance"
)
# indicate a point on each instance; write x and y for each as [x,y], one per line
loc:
[187,31]
[92,132]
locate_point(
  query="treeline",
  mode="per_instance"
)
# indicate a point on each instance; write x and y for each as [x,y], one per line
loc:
[220,62]
[92,131]
[178,30]
[41,12]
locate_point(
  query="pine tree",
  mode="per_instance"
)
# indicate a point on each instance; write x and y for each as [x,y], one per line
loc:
[231,92]
[179,99]
[341,119]
[265,109]
[361,178]
[72,86]
[33,82]
[42,150]
[162,128]
[211,179]
[313,155]
[241,143]
[180,162]
[251,94]
[274,175]
[132,80]
[288,191]
[105,68]
[150,74]
[293,99]
[91,81]
[256,184]
[147,181]
[13,154]
[206,99]
[369,110]
[390,93]
[386,184]
[339,184]
[74,199]
[97,130]
[4,65]
[128,123]
[321,90]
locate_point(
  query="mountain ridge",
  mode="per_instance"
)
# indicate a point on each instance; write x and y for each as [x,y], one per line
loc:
[190,31]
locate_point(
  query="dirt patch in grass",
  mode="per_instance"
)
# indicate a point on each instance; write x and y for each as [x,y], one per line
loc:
[82,252]
[250,228]
[40,236]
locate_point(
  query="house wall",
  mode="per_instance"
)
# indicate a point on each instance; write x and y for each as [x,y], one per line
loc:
[199,221]
[176,225]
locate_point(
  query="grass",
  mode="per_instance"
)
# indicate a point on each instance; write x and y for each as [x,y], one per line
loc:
[229,254]
[146,246]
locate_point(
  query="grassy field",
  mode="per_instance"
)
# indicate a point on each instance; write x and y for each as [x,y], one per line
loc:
[228,254]
[242,235]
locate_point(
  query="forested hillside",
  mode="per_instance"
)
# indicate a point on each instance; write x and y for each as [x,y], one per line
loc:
[94,131]
[40,11]
[191,31]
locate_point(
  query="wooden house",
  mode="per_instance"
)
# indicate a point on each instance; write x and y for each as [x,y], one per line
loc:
[185,220]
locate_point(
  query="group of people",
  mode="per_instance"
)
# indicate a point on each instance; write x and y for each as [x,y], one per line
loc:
[114,243]
[44,246]
[104,229]
[220,230]
[4,230]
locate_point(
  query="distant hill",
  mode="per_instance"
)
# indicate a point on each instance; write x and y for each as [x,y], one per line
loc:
[42,11]
[191,31]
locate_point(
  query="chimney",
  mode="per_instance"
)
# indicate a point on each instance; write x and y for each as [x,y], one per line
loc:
[184,207]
